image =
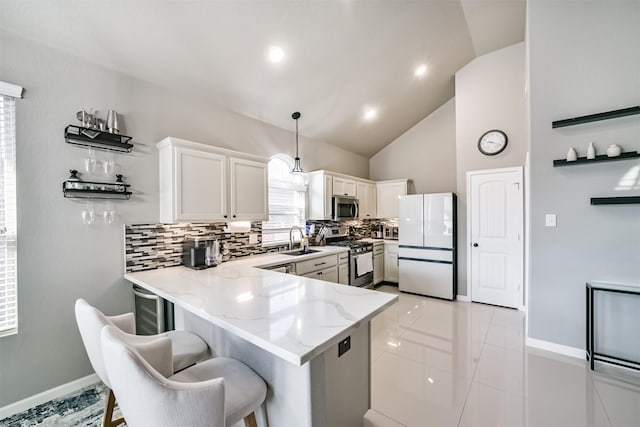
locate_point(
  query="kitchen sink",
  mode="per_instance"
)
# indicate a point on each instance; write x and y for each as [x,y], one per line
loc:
[301,252]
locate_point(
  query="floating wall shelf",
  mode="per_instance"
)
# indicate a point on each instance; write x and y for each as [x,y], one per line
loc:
[95,190]
[624,200]
[596,117]
[102,140]
[601,158]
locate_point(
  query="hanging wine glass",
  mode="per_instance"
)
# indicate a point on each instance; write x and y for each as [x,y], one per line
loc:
[109,165]
[109,214]
[88,214]
[90,162]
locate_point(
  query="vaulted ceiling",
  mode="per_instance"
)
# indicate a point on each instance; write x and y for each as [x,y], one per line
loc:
[341,57]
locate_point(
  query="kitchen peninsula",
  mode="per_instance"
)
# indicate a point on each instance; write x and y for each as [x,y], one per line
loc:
[308,339]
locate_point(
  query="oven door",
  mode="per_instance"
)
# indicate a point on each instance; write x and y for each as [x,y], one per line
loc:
[361,269]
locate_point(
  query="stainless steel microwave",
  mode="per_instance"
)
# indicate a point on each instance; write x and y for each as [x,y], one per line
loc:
[344,208]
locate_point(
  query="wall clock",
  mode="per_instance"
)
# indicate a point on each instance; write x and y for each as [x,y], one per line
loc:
[492,142]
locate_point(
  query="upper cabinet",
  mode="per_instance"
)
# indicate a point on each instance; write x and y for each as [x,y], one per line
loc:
[375,199]
[389,193]
[344,187]
[320,191]
[366,194]
[201,183]
[249,188]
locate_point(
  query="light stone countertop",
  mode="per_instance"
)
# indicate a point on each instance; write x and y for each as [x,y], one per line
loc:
[293,317]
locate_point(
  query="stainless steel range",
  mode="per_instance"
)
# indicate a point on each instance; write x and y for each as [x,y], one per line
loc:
[360,261]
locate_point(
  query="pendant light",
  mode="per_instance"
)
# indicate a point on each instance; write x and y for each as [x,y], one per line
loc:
[297,168]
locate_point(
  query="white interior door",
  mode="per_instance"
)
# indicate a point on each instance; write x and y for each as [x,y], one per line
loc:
[495,232]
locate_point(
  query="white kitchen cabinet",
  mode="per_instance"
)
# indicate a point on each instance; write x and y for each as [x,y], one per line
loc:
[343,268]
[388,194]
[328,274]
[378,262]
[322,268]
[315,264]
[319,192]
[201,183]
[366,194]
[248,197]
[183,194]
[376,199]
[391,262]
[344,187]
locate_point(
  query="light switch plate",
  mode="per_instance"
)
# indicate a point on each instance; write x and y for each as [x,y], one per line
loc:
[253,238]
[550,220]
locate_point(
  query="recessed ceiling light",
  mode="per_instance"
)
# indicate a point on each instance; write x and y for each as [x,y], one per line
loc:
[370,114]
[420,70]
[276,54]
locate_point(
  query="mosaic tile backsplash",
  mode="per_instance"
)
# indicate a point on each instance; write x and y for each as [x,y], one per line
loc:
[151,246]
[363,228]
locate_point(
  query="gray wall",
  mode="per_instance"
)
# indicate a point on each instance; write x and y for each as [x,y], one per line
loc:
[584,58]
[490,94]
[60,259]
[426,153]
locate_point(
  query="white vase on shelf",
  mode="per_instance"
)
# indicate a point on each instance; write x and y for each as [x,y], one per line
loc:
[614,150]
[572,156]
[591,152]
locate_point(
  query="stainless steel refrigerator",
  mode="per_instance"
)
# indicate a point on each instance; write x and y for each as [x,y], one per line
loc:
[427,245]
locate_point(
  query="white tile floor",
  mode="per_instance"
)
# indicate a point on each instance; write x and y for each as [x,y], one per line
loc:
[440,363]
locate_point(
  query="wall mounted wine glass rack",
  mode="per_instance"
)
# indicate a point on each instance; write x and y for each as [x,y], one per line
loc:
[97,139]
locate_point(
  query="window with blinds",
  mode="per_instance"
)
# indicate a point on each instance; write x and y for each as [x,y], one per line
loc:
[287,201]
[8,276]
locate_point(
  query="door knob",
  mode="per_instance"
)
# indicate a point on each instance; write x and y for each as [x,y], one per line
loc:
[475,245]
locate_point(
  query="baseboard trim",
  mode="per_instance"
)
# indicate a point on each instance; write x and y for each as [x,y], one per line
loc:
[463,298]
[578,353]
[45,396]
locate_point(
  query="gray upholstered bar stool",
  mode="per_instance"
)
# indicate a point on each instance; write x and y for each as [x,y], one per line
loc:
[218,392]
[187,348]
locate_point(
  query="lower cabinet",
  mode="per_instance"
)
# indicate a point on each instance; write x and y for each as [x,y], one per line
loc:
[343,268]
[322,268]
[391,262]
[378,263]
[328,274]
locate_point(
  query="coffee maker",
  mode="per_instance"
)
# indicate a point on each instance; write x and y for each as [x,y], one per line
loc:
[200,253]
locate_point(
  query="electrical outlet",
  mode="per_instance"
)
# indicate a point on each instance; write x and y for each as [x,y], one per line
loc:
[344,346]
[253,238]
[550,220]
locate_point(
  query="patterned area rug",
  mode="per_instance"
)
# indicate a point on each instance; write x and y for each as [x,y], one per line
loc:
[82,408]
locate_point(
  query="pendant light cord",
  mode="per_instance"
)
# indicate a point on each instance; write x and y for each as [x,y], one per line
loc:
[297,139]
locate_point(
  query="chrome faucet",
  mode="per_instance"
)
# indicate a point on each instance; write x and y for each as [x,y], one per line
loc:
[291,230]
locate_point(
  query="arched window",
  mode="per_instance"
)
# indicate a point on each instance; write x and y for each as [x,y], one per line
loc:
[287,200]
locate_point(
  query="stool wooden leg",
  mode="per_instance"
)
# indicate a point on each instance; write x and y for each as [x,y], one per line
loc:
[108,412]
[250,420]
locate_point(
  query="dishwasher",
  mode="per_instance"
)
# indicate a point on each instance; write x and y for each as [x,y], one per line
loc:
[153,314]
